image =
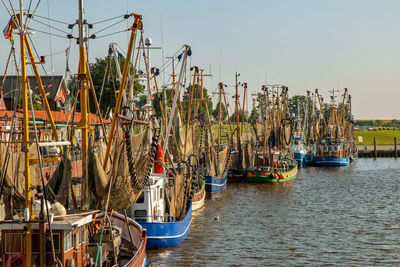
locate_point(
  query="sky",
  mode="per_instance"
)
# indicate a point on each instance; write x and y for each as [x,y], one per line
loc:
[303,44]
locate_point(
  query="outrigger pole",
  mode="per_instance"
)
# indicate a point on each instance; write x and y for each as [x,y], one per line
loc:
[137,25]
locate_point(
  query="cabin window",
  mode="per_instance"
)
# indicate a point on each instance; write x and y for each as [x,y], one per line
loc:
[161,193]
[140,215]
[67,241]
[13,243]
[36,240]
[141,198]
[56,239]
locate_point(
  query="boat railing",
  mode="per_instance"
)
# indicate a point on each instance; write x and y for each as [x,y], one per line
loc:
[142,218]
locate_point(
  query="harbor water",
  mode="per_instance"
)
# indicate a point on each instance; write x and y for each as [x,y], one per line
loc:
[345,216]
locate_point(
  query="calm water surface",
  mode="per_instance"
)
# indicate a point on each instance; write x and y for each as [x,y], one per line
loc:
[328,216]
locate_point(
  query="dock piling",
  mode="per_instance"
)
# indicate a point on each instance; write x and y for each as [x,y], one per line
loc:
[395,147]
[375,152]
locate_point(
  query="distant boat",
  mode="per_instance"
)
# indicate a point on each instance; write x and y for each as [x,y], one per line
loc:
[336,144]
[332,154]
[299,151]
[215,184]
[276,174]
[199,197]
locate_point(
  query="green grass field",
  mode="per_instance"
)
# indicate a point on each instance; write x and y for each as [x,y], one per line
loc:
[382,137]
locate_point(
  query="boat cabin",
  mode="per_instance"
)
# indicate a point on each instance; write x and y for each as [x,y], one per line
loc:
[69,237]
[150,206]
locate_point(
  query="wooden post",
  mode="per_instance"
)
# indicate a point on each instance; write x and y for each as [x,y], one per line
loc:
[395,147]
[375,152]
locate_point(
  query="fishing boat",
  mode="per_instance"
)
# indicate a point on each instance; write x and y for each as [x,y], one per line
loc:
[276,173]
[242,144]
[165,226]
[272,160]
[215,157]
[199,196]
[164,207]
[44,233]
[333,148]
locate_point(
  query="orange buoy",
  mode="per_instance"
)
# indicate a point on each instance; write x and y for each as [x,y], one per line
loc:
[158,168]
[281,176]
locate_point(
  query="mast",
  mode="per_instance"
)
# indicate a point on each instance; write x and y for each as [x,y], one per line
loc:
[25,149]
[219,112]
[84,122]
[244,102]
[237,111]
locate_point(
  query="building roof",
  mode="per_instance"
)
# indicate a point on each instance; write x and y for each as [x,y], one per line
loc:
[58,116]
[51,85]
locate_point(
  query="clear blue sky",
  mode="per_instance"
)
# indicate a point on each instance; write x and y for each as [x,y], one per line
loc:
[304,44]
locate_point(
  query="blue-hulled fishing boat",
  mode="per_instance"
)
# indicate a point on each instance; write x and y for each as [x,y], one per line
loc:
[166,234]
[337,139]
[215,184]
[166,226]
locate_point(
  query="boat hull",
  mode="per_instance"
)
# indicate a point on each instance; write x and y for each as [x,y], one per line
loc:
[138,236]
[235,175]
[198,198]
[269,177]
[215,184]
[300,158]
[331,161]
[167,234]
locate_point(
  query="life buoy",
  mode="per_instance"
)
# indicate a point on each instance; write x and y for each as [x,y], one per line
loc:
[16,257]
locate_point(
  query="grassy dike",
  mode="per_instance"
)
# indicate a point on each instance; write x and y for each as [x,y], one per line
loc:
[383,137]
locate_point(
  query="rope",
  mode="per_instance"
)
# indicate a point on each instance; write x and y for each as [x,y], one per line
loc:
[101,21]
[102,36]
[48,18]
[48,25]
[108,27]
[52,34]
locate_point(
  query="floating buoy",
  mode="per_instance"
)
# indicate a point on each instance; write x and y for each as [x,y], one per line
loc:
[281,176]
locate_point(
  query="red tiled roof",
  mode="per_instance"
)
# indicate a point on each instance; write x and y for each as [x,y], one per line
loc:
[58,116]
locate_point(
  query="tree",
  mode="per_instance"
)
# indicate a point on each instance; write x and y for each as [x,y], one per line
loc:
[196,103]
[253,115]
[224,112]
[111,85]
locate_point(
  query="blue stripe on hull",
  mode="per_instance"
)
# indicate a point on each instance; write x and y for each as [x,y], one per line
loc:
[167,234]
[215,184]
[332,161]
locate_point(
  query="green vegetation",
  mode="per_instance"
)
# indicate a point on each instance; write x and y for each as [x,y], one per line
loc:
[382,137]
[378,123]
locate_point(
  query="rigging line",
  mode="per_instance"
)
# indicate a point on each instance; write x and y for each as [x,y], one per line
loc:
[12,15]
[52,27]
[53,20]
[33,12]
[37,54]
[29,9]
[105,28]
[101,21]
[51,48]
[53,34]
[102,36]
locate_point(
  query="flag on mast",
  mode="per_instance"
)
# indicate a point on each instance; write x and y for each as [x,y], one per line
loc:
[8,34]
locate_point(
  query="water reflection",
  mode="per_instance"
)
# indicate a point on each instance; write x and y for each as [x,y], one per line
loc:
[328,216]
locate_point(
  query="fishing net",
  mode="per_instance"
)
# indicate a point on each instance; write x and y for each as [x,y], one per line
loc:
[58,186]
[222,160]
[178,198]
[124,191]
